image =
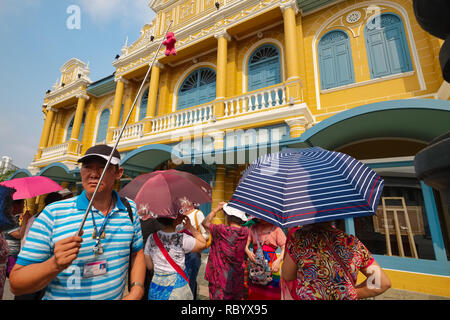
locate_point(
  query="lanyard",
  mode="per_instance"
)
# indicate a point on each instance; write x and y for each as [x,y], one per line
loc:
[98,234]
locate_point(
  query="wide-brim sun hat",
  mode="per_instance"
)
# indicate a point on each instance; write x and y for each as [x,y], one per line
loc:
[235,212]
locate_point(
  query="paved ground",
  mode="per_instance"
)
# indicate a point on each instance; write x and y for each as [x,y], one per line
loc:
[391,294]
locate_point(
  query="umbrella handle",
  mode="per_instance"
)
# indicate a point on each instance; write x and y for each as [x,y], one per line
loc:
[80,229]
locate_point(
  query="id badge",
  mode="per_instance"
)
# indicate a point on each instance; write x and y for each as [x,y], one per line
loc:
[94,269]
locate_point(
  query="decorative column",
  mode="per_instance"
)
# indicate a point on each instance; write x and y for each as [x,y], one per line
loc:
[58,126]
[115,115]
[153,89]
[230,180]
[164,106]
[46,131]
[127,103]
[74,143]
[30,205]
[152,95]
[290,10]
[293,84]
[52,130]
[40,203]
[218,144]
[218,193]
[218,138]
[89,132]
[221,83]
[296,126]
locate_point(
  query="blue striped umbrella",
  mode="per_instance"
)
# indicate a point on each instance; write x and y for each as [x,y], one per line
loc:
[303,186]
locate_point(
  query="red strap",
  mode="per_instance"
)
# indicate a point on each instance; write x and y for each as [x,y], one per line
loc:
[169,258]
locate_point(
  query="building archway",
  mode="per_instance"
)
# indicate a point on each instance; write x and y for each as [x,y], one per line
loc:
[404,124]
[21,173]
[148,158]
[59,172]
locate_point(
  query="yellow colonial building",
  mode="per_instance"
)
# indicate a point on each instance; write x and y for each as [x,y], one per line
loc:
[254,76]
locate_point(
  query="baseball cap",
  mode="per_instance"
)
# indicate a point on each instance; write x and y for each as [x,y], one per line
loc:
[235,212]
[101,151]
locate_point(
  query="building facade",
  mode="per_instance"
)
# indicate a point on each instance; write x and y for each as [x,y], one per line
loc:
[252,77]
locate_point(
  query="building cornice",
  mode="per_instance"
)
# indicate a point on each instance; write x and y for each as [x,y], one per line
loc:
[71,90]
[216,22]
[290,4]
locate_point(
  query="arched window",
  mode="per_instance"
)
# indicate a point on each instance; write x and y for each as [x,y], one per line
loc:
[335,60]
[264,67]
[198,88]
[103,126]
[70,127]
[143,107]
[387,48]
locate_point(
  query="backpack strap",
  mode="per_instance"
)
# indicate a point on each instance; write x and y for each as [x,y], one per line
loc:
[208,242]
[168,257]
[128,206]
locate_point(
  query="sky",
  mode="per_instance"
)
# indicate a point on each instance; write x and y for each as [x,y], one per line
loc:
[36,38]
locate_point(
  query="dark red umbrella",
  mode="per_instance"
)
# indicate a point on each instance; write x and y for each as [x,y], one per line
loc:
[163,192]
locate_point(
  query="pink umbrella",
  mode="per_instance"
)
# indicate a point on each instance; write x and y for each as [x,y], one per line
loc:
[163,192]
[30,187]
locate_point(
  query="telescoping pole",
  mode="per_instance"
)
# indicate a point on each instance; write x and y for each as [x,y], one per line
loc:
[80,229]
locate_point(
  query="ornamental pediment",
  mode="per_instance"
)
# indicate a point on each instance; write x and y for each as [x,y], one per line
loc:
[73,70]
[157,5]
[73,81]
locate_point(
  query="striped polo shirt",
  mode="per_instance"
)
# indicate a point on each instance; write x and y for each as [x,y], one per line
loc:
[62,219]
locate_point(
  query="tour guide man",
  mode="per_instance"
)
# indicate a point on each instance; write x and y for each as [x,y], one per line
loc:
[94,266]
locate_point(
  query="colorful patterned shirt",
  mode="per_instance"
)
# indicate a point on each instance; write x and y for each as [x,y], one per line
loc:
[62,219]
[326,260]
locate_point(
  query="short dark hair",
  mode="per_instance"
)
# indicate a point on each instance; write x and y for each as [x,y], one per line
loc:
[52,197]
[166,222]
[18,201]
[235,219]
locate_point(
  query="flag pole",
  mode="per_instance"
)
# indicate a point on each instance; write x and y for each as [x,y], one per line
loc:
[80,229]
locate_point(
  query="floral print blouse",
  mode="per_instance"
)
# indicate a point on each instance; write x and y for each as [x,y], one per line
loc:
[328,262]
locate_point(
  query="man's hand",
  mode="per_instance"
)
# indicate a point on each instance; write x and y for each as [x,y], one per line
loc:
[66,251]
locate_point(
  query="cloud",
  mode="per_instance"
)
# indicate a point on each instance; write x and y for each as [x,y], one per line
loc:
[123,11]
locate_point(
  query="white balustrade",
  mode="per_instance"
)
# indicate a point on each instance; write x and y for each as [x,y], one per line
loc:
[263,99]
[183,118]
[132,131]
[55,151]
[254,101]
